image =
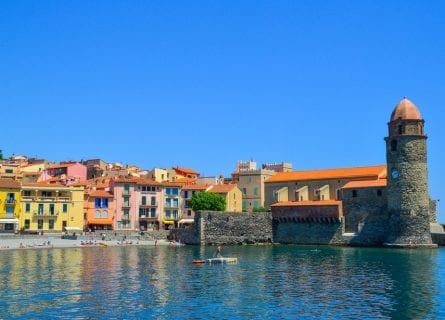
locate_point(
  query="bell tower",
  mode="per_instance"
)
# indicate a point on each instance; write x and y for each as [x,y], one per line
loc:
[407,186]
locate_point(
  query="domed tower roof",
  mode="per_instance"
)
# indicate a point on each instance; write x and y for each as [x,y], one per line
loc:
[405,110]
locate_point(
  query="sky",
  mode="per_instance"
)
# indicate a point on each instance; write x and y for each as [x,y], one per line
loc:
[204,84]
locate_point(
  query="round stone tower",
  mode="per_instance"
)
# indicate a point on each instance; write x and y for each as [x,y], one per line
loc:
[408,197]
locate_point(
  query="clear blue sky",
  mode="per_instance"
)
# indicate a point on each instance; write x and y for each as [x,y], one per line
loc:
[203,84]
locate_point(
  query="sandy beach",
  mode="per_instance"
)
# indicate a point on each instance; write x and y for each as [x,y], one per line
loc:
[40,242]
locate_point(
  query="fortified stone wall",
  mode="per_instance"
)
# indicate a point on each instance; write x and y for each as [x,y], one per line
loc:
[309,233]
[213,227]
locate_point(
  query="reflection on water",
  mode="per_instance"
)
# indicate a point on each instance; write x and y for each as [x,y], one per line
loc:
[269,282]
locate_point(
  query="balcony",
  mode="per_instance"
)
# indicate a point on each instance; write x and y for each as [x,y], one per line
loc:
[46,214]
[146,205]
[8,216]
[10,202]
[126,206]
[148,217]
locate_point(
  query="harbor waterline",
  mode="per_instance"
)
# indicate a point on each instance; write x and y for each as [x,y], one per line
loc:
[268,282]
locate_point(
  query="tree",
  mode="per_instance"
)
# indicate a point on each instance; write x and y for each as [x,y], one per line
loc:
[207,201]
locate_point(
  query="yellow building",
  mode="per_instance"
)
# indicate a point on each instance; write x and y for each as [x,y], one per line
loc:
[231,193]
[9,205]
[51,207]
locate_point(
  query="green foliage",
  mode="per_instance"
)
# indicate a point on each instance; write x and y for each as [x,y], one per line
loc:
[259,209]
[207,201]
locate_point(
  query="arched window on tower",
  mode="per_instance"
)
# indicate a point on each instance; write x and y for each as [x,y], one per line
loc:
[401,129]
[393,145]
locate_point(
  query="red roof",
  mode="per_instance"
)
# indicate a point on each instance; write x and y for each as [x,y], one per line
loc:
[100,194]
[368,173]
[185,170]
[365,184]
[9,183]
[222,188]
[195,187]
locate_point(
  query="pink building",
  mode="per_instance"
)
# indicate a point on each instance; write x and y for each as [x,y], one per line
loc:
[138,203]
[65,173]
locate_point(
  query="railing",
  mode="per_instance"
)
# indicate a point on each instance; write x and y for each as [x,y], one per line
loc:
[45,199]
[148,216]
[8,216]
[46,214]
[10,202]
[148,205]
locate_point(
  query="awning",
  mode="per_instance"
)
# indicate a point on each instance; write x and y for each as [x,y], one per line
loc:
[182,221]
[73,229]
[168,221]
[9,220]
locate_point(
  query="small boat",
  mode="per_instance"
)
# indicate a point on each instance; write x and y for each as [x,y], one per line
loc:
[198,261]
[222,260]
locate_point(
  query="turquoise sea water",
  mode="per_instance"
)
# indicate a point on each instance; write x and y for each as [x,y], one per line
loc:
[269,282]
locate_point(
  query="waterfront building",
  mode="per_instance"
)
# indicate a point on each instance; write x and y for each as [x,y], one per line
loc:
[316,185]
[172,204]
[231,193]
[127,213]
[407,189]
[378,205]
[149,197]
[9,205]
[51,207]
[187,193]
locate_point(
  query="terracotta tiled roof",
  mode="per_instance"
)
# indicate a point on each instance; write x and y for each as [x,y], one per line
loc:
[406,110]
[185,180]
[222,188]
[365,184]
[371,172]
[196,186]
[100,194]
[126,180]
[9,183]
[307,203]
[172,184]
[185,170]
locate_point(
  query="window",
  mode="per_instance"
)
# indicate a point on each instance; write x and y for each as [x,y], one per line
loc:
[9,171]
[401,129]
[250,179]
[101,203]
[255,191]
[40,224]
[105,214]
[46,193]
[97,214]
[189,213]
[144,212]
[10,198]
[153,201]
[50,224]
[379,192]
[126,202]
[27,193]
[244,204]
[144,200]
[51,209]
[10,211]
[354,193]
[171,191]
[186,194]
[393,145]
[153,212]
[27,222]
[256,204]
[244,191]
[65,208]
[126,214]
[126,188]
[40,209]
[27,207]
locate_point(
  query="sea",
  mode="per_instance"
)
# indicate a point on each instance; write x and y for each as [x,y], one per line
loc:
[267,282]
